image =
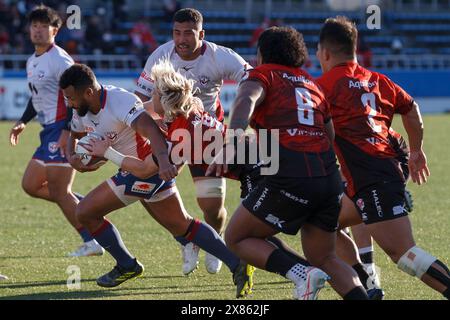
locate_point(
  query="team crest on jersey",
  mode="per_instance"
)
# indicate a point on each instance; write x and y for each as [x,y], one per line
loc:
[112,135]
[142,187]
[124,173]
[204,80]
[41,75]
[53,147]
[360,204]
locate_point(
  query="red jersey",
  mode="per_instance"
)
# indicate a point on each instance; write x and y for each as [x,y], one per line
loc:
[295,106]
[363,104]
[196,128]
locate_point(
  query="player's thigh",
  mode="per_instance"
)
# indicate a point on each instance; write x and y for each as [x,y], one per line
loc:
[348,215]
[98,203]
[35,175]
[60,178]
[318,244]
[395,236]
[244,224]
[170,213]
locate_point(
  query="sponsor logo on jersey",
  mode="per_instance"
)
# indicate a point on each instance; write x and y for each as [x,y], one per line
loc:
[146,76]
[360,204]
[376,200]
[297,79]
[293,197]
[398,210]
[204,80]
[299,132]
[275,220]
[261,199]
[95,123]
[361,84]
[124,173]
[53,147]
[186,68]
[142,187]
[53,157]
[41,75]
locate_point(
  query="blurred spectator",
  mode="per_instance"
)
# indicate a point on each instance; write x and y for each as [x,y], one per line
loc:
[396,46]
[364,53]
[169,8]
[4,40]
[142,37]
[257,32]
[94,35]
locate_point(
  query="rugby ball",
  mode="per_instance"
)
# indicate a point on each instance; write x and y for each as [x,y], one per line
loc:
[82,149]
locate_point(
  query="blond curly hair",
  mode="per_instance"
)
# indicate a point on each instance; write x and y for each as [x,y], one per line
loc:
[175,90]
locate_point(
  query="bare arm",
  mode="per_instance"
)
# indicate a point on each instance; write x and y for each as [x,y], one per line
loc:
[147,127]
[141,96]
[412,121]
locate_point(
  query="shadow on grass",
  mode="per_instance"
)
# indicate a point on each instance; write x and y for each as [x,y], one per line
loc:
[67,295]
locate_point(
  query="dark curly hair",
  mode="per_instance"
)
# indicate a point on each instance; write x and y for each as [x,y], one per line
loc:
[80,76]
[188,15]
[45,14]
[282,45]
[339,35]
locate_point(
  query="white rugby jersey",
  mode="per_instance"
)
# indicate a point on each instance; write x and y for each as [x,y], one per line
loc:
[43,73]
[214,65]
[118,110]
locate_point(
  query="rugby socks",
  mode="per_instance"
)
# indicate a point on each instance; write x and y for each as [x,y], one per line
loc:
[280,244]
[446,293]
[84,234]
[109,238]
[362,274]
[209,240]
[357,293]
[286,266]
[366,254]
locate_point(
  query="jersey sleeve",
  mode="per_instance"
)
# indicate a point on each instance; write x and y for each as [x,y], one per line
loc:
[145,83]
[403,101]
[76,125]
[128,108]
[232,64]
[257,75]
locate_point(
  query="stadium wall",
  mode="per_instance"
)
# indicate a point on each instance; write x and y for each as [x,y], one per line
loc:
[430,89]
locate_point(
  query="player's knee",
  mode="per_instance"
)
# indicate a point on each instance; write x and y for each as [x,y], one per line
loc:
[323,261]
[29,187]
[82,213]
[230,239]
[415,262]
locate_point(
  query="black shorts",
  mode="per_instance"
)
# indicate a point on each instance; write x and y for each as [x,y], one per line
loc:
[381,202]
[287,203]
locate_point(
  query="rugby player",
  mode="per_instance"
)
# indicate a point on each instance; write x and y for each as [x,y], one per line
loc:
[120,118]
[49,175]
[363,104]
[208,65]
[305,192]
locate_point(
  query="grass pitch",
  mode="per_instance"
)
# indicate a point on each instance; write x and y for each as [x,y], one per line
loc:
[35,237]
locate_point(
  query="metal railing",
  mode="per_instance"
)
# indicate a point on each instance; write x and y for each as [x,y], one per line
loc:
[132,63]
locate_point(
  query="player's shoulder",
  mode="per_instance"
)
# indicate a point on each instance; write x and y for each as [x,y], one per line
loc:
[211,48]
[120,97]
[59,53]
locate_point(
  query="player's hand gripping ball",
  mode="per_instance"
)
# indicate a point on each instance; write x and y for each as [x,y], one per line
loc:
[83,148]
